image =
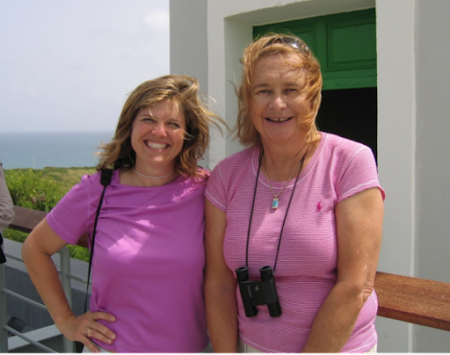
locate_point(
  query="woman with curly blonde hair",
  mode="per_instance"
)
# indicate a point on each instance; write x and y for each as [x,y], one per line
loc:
[293,222]
[147,270]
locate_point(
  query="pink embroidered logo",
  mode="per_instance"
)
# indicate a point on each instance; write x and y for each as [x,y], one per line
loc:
[319,207]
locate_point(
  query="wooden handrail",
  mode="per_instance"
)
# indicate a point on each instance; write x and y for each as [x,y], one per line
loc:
[25,219]
[413,300]
[403,298]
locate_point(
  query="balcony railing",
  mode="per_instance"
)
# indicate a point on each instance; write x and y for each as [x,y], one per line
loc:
[403,298]
[25,220]
[64,272]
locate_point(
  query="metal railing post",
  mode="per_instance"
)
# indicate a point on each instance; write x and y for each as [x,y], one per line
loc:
[3,310]
[64,254]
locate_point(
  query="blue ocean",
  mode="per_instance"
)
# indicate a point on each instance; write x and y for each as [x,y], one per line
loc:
[52,149]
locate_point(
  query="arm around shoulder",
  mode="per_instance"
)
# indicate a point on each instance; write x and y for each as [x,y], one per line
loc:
[220,285]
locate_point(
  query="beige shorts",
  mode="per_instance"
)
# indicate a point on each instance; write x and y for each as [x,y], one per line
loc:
[244,348]
[86,350]
[208,349]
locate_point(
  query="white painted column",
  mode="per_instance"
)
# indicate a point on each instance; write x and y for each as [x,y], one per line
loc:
[396,152]
[433,149]
[188,44]
[216,80]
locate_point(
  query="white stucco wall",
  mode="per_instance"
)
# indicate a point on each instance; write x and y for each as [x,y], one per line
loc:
[396,152]
[188,40]
[413,81]
[433,143]
[432,240]
[189,48]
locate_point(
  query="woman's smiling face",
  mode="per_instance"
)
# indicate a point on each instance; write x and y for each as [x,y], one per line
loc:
[157,137]
[277,105]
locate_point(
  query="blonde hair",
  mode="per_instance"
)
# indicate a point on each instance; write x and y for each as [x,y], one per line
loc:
[183,91]
[278,44]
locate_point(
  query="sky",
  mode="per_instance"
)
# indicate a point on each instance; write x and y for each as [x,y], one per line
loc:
[68,65]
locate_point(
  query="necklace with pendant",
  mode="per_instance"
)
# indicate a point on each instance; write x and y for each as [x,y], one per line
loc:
[275,201]
[152,177]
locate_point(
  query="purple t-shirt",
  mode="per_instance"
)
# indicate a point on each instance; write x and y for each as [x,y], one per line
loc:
[148,260]
[306,268]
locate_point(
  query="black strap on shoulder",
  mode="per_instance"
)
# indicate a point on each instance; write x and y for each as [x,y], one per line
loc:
[105,180]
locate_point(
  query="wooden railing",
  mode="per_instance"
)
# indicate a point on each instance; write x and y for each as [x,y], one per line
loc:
[413,300]
[404,298]
[26,219]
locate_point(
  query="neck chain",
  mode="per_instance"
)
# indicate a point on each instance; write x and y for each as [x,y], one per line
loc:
[285,216]
[275,196]
[152,177]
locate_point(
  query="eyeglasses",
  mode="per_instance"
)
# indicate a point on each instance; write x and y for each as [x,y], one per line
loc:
[293,42]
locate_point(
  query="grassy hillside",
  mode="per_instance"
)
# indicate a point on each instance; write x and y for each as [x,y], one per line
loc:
[41,189]
[67,177]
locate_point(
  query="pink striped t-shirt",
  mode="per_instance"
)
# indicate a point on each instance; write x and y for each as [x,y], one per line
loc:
[306,269]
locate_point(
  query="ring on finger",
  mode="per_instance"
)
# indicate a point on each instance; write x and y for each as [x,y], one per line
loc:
[89,332]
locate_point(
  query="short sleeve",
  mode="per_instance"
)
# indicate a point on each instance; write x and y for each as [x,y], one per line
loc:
[70,217]
[215,189]
[359,174]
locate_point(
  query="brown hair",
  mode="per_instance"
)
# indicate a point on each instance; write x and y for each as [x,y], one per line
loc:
[282,45]
[184,92]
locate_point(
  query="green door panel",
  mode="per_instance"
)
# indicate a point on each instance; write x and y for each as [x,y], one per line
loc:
[351,45]
[344,43]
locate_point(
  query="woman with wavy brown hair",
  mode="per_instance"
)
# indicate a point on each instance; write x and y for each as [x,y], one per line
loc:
[147,270]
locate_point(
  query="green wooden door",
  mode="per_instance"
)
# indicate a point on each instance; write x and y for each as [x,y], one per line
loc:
[344,43]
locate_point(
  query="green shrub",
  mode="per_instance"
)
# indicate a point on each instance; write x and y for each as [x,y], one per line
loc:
[75,251]
[17,236]
[41,190]
[29,188]
[78,252]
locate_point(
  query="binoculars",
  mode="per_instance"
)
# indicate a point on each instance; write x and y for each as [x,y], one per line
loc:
[258,293]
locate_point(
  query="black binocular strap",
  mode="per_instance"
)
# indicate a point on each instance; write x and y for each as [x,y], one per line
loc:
[285,215]
[105,181]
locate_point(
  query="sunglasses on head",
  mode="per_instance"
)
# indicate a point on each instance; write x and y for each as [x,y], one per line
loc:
[293,42]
